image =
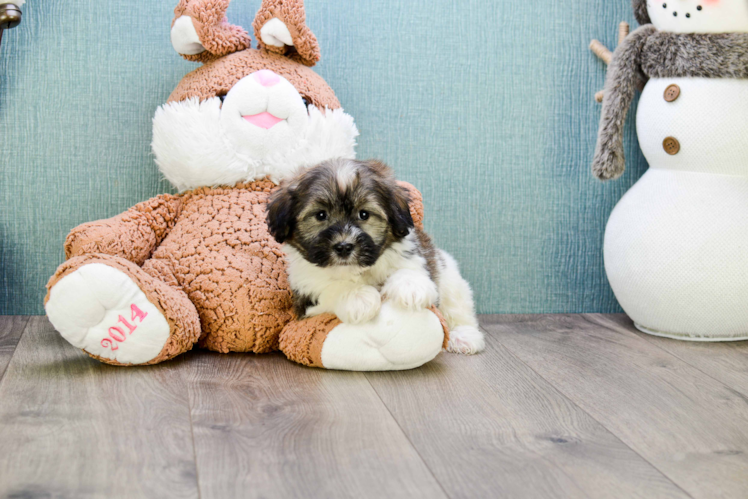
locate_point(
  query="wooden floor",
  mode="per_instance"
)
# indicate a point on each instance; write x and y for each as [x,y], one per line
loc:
[558,406]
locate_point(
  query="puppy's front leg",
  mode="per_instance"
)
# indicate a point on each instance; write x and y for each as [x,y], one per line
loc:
[411,289]
[351,303]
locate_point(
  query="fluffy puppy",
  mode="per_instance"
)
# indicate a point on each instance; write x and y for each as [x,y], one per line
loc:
[350,243]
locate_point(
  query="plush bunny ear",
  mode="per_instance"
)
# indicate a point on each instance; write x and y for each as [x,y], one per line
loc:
[640,12]
[200,31]
[280,27]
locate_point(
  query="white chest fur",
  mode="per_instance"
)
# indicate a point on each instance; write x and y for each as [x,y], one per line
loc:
[311,280]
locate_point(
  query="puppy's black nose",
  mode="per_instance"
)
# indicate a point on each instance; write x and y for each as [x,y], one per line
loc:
[343,249]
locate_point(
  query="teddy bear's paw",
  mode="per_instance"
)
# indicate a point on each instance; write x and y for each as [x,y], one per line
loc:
[466,340]
[395,339]
[103,311]
[359,305]
[410,290]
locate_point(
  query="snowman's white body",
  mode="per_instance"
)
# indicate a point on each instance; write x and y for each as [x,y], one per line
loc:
[676,245]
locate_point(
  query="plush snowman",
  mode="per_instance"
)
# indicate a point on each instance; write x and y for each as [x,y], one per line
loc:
[676,245]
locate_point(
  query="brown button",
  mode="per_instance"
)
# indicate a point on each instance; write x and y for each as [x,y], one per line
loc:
[671,146]
[672,93]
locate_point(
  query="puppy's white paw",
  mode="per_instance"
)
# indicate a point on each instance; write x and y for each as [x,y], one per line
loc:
[410,290]
[466,340]
[359,305]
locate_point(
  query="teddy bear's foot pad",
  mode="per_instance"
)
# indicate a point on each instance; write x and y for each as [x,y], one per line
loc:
[101,310]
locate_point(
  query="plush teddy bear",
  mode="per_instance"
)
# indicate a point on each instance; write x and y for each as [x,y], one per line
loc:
[200,267]
[675,245]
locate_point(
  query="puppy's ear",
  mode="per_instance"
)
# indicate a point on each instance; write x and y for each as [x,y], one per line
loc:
[282,213]
[394,197]
[398,211]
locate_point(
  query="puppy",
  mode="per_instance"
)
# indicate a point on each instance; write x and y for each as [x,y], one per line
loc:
[350,243]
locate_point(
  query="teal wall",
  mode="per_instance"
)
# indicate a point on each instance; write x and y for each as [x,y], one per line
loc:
[485,105]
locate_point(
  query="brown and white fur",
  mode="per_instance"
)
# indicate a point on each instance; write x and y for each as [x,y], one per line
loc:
[351,243]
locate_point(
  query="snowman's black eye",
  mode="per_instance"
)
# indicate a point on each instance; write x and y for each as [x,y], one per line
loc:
[699,7]
[664,6]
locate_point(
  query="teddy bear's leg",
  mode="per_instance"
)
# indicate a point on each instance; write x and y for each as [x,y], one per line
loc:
[116,312]
[395,340]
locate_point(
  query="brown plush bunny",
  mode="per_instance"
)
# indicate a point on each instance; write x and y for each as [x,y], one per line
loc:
[200,266]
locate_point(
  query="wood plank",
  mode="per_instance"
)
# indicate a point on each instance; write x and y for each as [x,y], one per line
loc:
[11,328]
[74,427]
[266,427]
[725,361]
[488,426]
[688,425]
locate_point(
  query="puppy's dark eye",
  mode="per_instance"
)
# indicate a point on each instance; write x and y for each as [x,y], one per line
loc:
[222,97]
[363,215]
[321,215]
[304,100]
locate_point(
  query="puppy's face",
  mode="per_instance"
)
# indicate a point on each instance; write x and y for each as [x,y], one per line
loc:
[341,212]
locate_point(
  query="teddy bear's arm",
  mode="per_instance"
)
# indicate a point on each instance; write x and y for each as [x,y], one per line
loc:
[620,85]
[132,235]
[415,203]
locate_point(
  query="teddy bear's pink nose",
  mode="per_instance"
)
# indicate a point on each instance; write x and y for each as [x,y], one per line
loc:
[267,78]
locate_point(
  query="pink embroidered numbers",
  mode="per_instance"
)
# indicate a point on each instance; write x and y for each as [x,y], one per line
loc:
[117,334]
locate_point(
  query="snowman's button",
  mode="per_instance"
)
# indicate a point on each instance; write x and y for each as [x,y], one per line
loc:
[671,146]
[672,93]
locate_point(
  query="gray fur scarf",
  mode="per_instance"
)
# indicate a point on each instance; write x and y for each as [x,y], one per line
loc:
[648,53]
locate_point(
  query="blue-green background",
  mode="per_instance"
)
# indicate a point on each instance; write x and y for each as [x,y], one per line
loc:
[485,105]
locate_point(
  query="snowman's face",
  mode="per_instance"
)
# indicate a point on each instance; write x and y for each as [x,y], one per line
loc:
[699,16]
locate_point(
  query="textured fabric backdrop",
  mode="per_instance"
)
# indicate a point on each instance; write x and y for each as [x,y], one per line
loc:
[485,105]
